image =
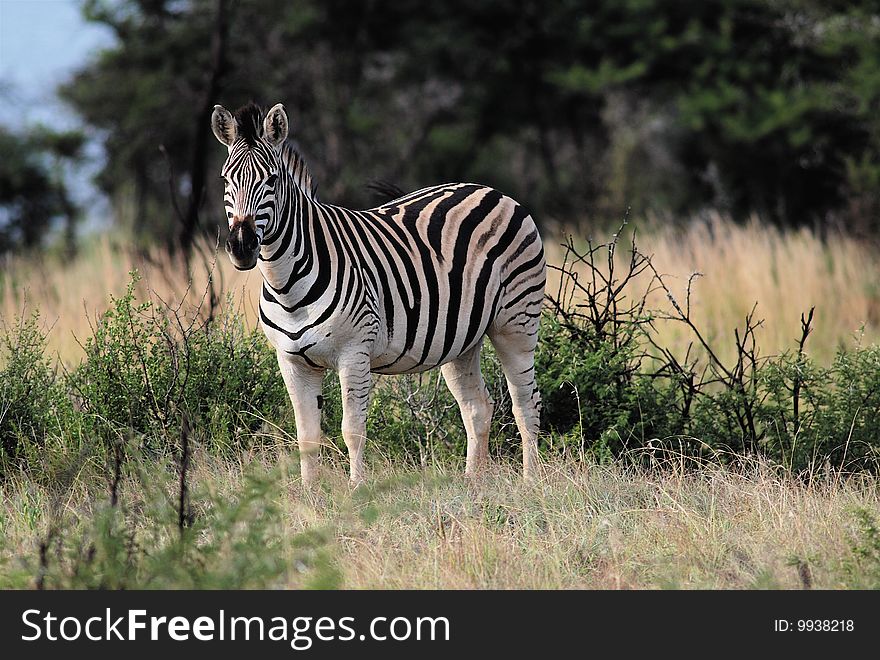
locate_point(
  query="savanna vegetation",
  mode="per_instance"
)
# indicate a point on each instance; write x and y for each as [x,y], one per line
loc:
[161,452]
[711,382]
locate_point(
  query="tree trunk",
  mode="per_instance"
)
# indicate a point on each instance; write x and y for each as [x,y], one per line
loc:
[202,119]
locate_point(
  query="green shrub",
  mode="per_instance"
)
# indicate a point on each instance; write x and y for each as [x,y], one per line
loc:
[608,386]
[861,569]
[33,405]
[847,417]
[593,387]
[235,542]
[146,369]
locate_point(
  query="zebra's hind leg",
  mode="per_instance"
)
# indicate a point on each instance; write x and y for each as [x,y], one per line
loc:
[355,380]
[515,347]
[463,377]
[304,388]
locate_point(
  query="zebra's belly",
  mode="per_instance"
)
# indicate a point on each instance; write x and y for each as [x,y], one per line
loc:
[425,353]
[389,365]
[318,348]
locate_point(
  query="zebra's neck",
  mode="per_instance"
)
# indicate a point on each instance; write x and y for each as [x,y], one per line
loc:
[295,246]
[293,194]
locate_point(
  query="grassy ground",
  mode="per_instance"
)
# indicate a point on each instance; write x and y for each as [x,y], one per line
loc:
[583,526]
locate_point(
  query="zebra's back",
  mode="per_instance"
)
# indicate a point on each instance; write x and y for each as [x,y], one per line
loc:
[477,260]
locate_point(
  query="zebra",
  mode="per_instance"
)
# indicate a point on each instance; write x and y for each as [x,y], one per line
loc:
[403,287]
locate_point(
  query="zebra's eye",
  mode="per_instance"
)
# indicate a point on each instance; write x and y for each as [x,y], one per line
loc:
[271,180]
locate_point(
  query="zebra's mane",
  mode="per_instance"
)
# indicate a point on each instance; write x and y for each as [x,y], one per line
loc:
[298,169]
[250,127]
[249,119]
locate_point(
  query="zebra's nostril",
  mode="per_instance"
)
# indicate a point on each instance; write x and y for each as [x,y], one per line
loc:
[249,240]
[242,244]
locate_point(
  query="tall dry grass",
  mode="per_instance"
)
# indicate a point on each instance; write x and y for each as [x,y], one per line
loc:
[785,272]
[70,295]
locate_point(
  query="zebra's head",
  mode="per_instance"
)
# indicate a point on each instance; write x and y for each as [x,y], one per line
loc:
[250,175]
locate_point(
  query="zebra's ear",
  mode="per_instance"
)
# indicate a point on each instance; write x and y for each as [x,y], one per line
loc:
[275,125]
[224,126]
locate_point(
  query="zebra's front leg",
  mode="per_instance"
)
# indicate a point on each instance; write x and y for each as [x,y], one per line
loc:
[304,388]
[355,381]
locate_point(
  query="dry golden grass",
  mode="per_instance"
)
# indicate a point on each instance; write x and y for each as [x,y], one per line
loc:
[583,526]
[785,272]
[70,295]
[606,527]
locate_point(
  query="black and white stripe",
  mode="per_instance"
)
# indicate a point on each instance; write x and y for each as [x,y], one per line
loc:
[413,284]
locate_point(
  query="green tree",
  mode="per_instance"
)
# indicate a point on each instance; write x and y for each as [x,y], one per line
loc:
[33,194]
[576,108]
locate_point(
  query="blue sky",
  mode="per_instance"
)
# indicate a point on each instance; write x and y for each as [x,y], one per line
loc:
[41,43]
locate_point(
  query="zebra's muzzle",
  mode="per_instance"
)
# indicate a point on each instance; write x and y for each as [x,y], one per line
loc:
[243,245]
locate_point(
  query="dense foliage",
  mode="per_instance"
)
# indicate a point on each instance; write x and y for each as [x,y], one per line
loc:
[33,404]
[577,109]
[147,370]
